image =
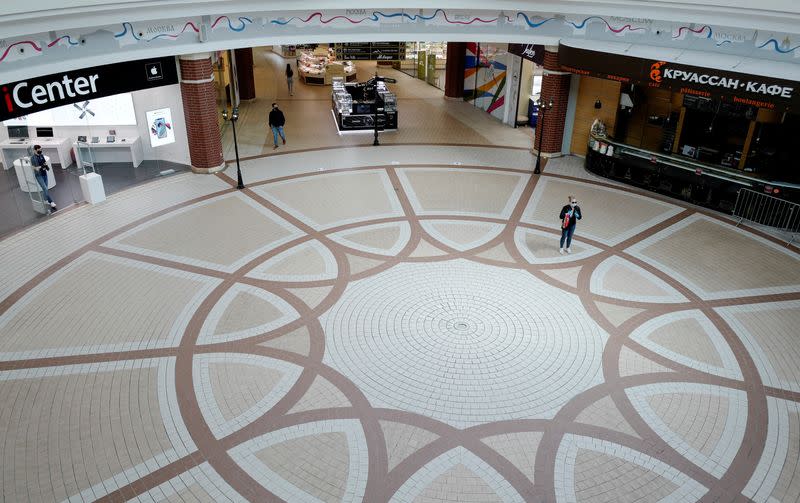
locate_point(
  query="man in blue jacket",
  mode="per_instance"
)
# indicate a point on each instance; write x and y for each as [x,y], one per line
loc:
[570,214]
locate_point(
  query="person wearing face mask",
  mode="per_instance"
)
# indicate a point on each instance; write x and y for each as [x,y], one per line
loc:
[276,123]
[40,169]
[570,214]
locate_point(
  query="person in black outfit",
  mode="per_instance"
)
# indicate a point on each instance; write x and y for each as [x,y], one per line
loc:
[276,123]
[40,169]
[570,214]
[290,79]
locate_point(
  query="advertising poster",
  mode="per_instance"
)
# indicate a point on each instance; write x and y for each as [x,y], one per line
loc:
[159,124]
[431,69]
[421,62]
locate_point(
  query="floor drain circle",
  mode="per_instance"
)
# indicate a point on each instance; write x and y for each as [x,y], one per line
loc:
[461,325]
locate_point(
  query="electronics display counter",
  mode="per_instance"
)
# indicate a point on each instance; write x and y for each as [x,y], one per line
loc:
[354,105]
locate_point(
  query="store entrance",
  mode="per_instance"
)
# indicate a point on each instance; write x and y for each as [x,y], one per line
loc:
[307,98]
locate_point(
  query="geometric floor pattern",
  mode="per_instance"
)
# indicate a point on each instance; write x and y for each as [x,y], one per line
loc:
[409,334]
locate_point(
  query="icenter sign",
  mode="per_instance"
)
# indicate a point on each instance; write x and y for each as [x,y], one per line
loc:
[24,96]
[40,93]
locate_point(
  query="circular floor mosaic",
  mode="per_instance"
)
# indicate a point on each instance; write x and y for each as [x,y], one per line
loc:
[400,334]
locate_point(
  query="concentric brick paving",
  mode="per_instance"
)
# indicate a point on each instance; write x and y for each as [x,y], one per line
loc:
[405,346]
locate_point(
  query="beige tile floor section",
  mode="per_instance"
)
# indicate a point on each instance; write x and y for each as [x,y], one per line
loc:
[718,258]
[297,341]
[598,478]
[79,309]
[237,387]
[424,115]
[319,198]
[316,464]
[775,332]
[602,217]
[519,448]
[403,439]
[697,418]
[64,434]
[689,338]
[460,484]
[237,228]
[246,311]
[451,192]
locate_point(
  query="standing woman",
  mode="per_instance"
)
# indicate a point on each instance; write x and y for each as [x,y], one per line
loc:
[290,79]
[570,214]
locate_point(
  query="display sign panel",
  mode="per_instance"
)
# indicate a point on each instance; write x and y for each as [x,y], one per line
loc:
[114,110]
[26,97]
[159,123]
[375,51]
[754,90]
[531,52]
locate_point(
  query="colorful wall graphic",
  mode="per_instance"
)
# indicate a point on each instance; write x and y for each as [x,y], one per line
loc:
[485,74]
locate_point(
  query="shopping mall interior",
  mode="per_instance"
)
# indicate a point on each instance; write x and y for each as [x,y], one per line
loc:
[454,254]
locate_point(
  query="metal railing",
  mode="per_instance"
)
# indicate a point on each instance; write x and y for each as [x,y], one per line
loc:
[768,210]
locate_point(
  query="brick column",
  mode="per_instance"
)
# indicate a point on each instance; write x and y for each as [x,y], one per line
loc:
[244,73]
[200,111]
[454,70]
[555,86]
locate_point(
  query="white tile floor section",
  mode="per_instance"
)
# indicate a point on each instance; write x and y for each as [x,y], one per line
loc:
[440,340]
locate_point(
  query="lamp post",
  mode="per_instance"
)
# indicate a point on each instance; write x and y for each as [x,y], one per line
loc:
[543,107]
[379,109]
[233,119]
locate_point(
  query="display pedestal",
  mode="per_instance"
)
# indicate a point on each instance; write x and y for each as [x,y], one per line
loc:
[92,188]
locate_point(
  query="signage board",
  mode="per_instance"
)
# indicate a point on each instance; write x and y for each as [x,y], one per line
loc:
[422,60]
[531,52]
[431,75]
[159,124]
[754,90]
[116,110]
[374,51]
[50,91]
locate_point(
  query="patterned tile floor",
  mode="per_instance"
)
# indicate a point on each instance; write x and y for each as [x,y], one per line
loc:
[396,324]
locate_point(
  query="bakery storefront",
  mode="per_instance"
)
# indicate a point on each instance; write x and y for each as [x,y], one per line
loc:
[691,132]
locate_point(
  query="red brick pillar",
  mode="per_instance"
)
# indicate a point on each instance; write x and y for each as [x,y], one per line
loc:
[454,70]
[555,86]
[200,111]
[244,73]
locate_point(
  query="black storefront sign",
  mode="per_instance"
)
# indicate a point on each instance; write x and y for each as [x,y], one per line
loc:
[371,51]
[531,52]
[50,91]
[741,88]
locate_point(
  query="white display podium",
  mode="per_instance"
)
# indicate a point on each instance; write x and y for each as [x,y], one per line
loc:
[128,149]
[58,148]
[26,177]
[92,188]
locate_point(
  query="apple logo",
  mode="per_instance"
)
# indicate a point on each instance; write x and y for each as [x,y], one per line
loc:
[153,70]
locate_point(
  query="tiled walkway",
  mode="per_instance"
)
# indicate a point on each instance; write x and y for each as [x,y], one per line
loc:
[396,324]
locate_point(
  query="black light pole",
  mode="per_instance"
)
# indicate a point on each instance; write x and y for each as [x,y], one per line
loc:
[234,118]
[540,130]
[379,108]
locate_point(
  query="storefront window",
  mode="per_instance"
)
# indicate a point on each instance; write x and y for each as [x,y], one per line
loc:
[426,61]
[125,138]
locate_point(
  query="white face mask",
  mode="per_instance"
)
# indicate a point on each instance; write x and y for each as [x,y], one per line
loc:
[573,203]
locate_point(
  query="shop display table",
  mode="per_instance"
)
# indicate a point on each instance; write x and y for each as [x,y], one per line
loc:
[26,178]
[59,148]
[128,149]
